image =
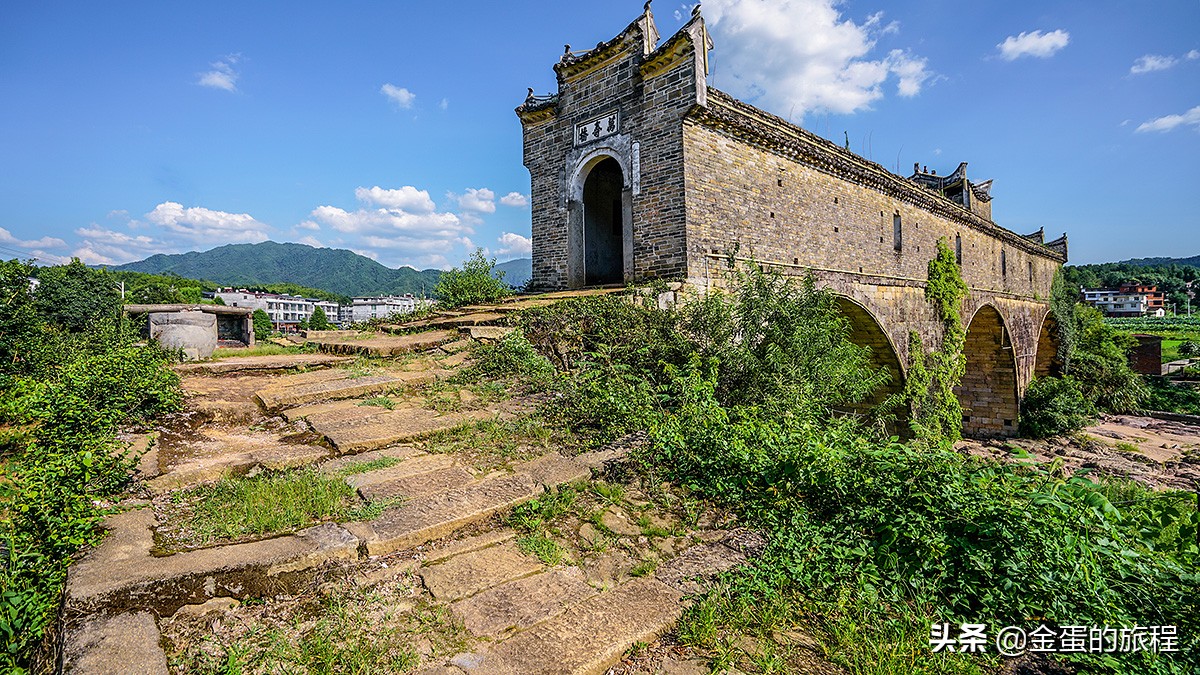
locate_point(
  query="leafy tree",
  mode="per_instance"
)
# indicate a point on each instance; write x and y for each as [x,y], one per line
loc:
[318,320]
[476,282]
[1189,348]
[190,294]
[262,325]
[303,325]
[19,320]
[1100,363]
[75,296]
[218,300]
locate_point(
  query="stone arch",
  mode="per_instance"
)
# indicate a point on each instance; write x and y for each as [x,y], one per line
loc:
[866,331]
[988,392]
[1046,362]
[600,211]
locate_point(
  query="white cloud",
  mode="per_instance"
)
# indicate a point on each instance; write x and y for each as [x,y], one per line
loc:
[514,199]
[223,74]
[100,246]
[311,241]
[1170,122]
[402,97]
[205,226]
[444,104]
[407,198]
[482,200]
[514,244]
[797,56]
[1035,43]
[7,237]
[1154,62]
[309,225]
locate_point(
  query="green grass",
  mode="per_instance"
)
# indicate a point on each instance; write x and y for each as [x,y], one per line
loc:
[380,402]
[643,568]
[263,349]
[355,468]
[543,548]
[269,503]
[496,443]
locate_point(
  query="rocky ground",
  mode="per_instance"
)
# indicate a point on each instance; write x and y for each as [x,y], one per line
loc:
[1158,453]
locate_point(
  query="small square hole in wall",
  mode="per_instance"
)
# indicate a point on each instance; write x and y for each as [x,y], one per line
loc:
[1008,423]
[835,228]
[795,261]
[835,200]
[860,270]
[881,240]
[772,214]
[966,419]
[779,182]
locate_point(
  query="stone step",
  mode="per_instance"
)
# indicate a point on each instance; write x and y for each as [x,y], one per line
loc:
[390,345]
[260,364]
[124,643]
[485,316]
[418,485]
[519,604]
[428,518]
[467,574]
[337,464]
[354,431]
[205,469]
[586,639]
[486,333]
[121,573]
[414,464]
[288,394]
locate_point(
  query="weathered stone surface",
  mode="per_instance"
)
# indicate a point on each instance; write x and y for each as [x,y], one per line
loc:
[686,572]
[553,469]
[477,318]
[195,333]
[615,520]
[401,452]
[487,333]
[354,431]
[121,573]
[279,456]
[429,518]
[521,603]
[260,364]
[285,394]
[415,464]
[125,643]
[449,549]
[589,637]
[214,606]
[419,485]
[386,345]
[465,575]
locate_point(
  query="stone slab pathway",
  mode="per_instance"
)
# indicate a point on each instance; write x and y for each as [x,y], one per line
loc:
[243,364]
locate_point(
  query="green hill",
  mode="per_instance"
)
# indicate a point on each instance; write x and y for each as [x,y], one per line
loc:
[338,271]
[285,267]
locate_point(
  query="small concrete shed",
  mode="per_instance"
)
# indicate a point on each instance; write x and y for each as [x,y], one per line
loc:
[197,329]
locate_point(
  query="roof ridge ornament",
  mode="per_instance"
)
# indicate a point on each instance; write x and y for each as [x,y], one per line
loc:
[650,34]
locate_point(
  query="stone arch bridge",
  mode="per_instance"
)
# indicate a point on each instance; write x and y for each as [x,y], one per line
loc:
[640,170]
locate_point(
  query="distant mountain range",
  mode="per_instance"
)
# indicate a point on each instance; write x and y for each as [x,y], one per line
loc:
[1193,261]
[335,270]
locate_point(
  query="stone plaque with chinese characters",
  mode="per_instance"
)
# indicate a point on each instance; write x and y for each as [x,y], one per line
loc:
[597,128]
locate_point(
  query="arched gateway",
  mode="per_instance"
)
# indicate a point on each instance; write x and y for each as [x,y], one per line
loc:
[642,171]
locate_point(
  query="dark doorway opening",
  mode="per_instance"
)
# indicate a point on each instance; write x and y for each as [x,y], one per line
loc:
[602,224]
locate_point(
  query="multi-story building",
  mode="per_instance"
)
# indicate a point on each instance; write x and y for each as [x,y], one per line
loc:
[285,310]
[1128,300]
[378,307]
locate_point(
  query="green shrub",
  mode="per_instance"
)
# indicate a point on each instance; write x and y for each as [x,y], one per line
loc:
[1169,397]
[512,356]
[262,325]
[1054,406]
[899,535]
[1100,364]
[476,282]
[1189,348]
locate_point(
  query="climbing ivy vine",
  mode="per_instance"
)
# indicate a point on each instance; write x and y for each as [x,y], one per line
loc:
[935,413]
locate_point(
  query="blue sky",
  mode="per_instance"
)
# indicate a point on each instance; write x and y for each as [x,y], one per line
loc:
[387,128]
